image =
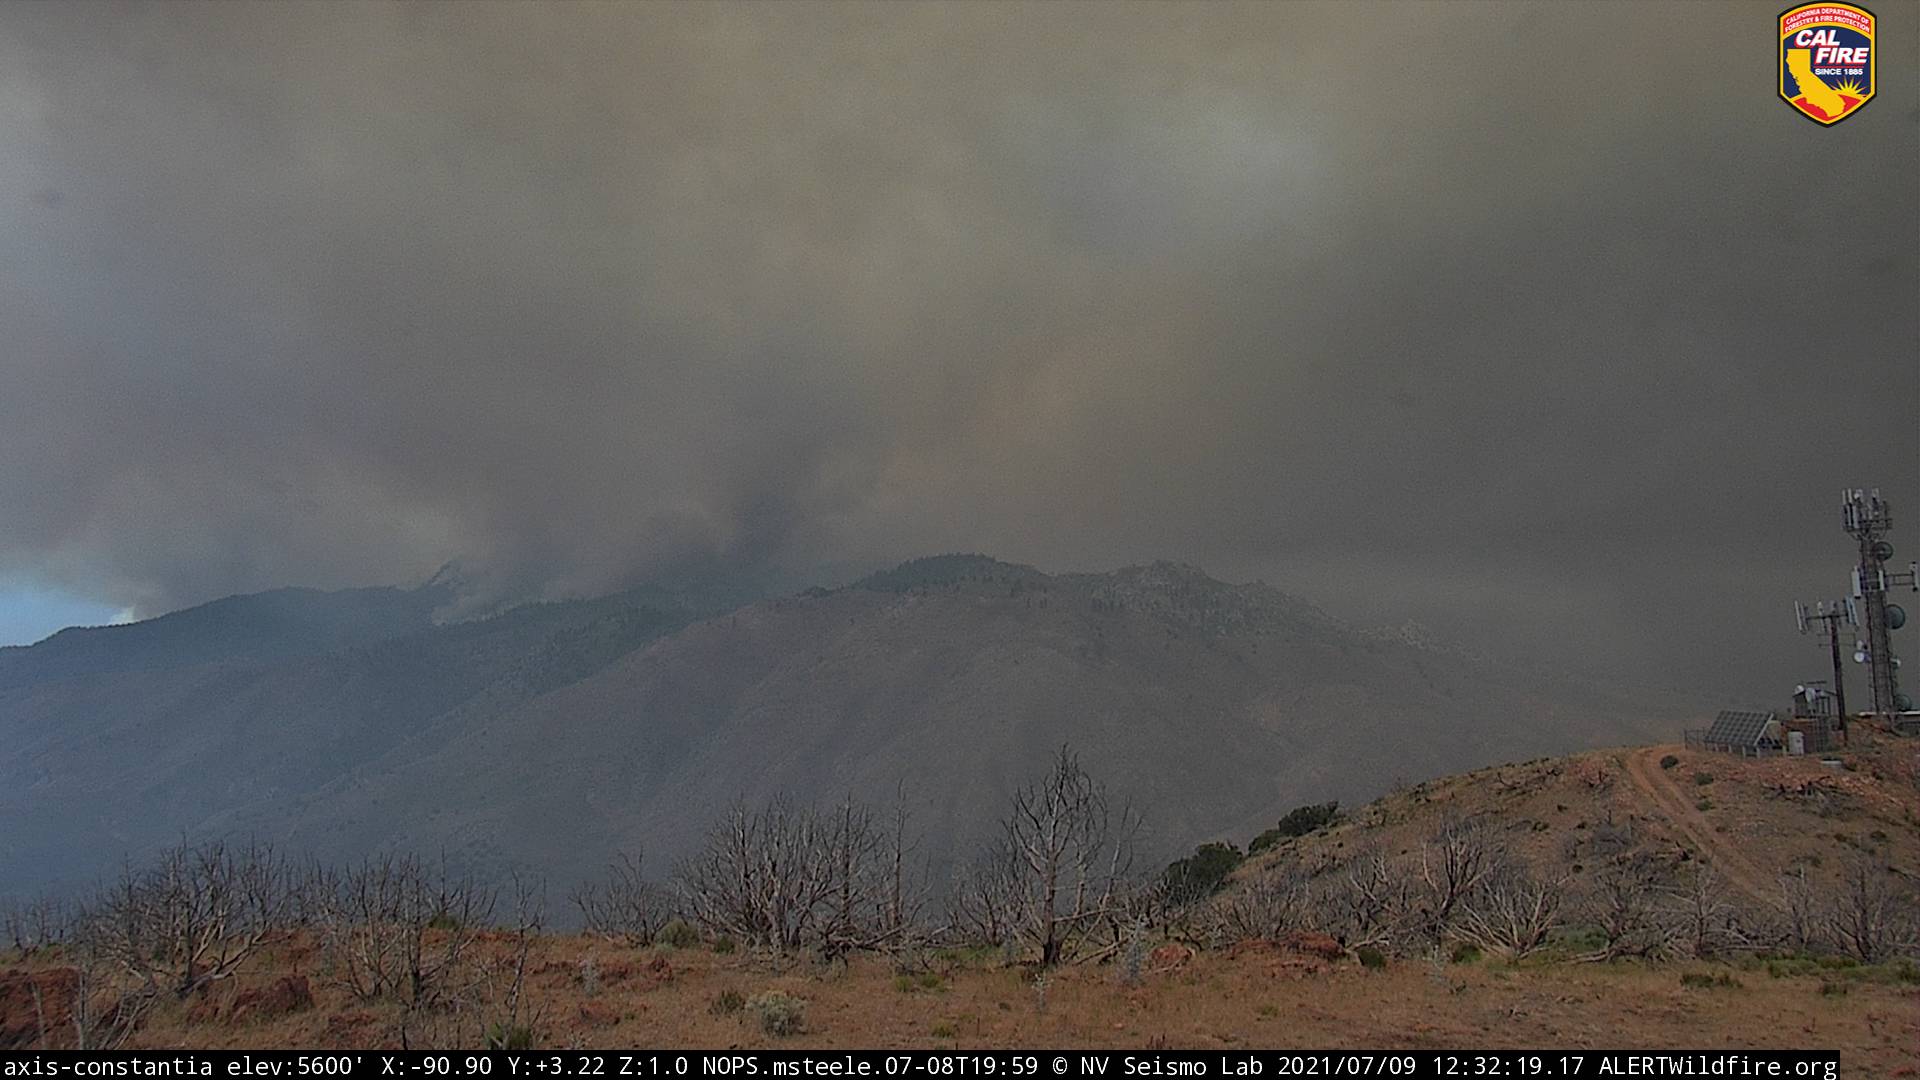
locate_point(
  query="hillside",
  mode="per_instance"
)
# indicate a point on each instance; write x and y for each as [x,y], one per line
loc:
[551,736]
[1292,989]
[1755,822]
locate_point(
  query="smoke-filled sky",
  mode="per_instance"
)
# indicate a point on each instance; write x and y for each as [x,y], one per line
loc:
[1547,324]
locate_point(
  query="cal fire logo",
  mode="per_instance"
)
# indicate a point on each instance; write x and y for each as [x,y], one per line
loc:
[1826,60]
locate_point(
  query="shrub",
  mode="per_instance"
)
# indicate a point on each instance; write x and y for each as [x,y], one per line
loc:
[943,1030]
[908,983]
[779,1014]
[1703,805]
[1371,958]
[726,1003]
[1834,989]
[1700,980]
[1669,761]
[1200,874]
[1783,967]
[723,945]
[509,1037]
[1465,953]
[1299,821]
[1703,778]
[678,934]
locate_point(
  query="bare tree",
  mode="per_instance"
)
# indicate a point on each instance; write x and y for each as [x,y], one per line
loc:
[867,905]
[32,925]
[103,1009]
[625,906]
[1623,906]
[1799,909]
[1074,853]
[1454,862]
[1702,919]
[395,928]
[1365,902]
[508,1012]
[1512,912]
[984,904]
[1266,905]
[785,877]
[1870,920]
[192,917]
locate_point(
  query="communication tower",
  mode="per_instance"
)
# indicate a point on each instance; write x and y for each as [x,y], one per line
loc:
[1868,520]
[1832,614]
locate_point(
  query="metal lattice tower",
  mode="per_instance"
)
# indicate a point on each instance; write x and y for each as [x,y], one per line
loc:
[1868,519]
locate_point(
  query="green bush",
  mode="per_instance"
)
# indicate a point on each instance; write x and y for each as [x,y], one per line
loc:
[1669,761]
[677,934]
[1703,778]
[723,945]
[944,1030]
[1834,989]
[1700,980]
[726,1003]
[513,1038]
[1703,805]
[1371,958]
[1200,874]
[1464,953]
[1299,821]
[779,1014]
[1783,967]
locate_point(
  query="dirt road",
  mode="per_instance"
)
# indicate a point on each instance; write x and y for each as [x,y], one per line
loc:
[1732,864]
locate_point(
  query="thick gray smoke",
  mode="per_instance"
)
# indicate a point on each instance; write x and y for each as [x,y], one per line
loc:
[1545,322]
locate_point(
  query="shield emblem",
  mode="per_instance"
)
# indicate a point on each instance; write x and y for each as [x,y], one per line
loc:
[1827,60]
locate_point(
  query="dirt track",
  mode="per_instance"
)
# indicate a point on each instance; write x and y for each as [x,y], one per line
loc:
[1739,872]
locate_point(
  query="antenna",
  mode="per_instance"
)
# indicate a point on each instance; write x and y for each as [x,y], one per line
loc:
[1832,616]
[1869,519]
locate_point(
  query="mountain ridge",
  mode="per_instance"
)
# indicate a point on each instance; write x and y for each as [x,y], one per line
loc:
[551,735]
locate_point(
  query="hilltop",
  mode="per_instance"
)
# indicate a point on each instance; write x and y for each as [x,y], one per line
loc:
[1755,821]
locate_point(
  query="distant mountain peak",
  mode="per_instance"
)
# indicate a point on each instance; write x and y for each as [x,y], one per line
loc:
[952,569]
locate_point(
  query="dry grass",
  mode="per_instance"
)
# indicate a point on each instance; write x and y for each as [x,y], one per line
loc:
[1249,998]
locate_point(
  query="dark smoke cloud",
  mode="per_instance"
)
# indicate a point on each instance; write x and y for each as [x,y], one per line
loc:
[1544,322]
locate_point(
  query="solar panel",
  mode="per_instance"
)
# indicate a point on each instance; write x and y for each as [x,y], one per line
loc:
[1735,727]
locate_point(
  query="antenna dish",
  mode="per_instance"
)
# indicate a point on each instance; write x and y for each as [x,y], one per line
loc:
[1882,550]
[1860,657]
[1903,702]
[1896,616]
